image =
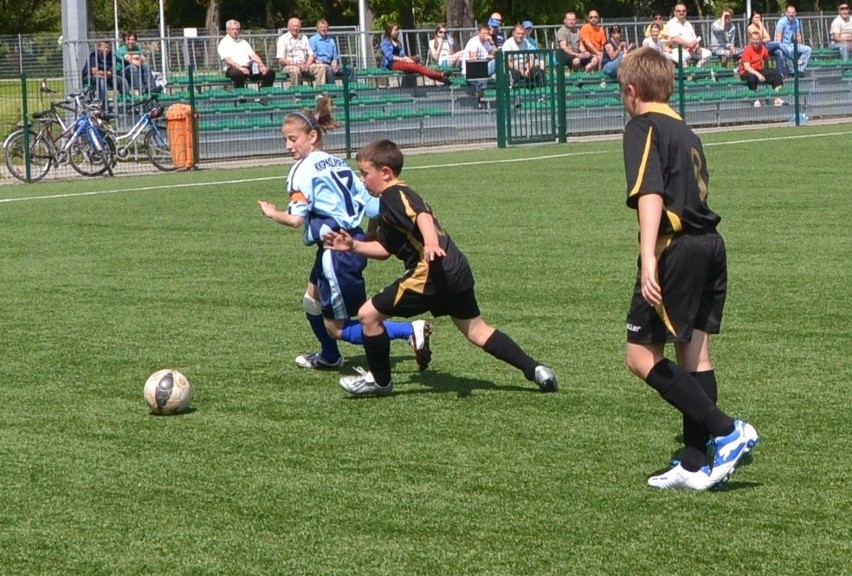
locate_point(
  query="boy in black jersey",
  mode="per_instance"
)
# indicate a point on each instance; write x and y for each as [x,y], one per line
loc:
[437,277]
[681,280]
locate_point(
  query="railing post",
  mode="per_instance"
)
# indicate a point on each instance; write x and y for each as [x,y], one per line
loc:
[502,88]
[347,131]
[26,118]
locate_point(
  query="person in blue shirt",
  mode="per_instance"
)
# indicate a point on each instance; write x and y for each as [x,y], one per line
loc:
[326,53]
[98,72]
[326,196]
[788,31]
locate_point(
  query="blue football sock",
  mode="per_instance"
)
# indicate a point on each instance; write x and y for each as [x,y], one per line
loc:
[354,334]
[329,352]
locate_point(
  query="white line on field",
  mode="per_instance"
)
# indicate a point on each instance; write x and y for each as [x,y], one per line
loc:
[429,167]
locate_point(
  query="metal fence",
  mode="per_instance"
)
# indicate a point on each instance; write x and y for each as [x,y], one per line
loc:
[234,123]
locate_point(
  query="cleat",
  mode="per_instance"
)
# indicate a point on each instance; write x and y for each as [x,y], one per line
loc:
[546,379]
[680,477]
[420,343]
[316,362]
[729,450]
[363,384]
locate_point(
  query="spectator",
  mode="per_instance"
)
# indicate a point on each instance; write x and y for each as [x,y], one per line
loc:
[98,72]
[776,49]
[593,37]
[294,53]
[441,48]
[653,41]
[681,33]
[522,67]
[326,53]
[497,36]
[752,68]
[133,64]
[614,51]
[568,39]
[660,21]
[394,57]
[240,61]
[788,31]
[531,41]
[841,31]
[723,37]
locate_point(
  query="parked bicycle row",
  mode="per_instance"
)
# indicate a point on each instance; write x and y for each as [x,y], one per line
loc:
[76,131]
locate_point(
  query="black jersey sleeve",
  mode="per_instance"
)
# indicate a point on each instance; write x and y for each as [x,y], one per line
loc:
[642,165]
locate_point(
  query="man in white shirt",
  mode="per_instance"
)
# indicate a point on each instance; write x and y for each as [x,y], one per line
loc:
[681,33]
[522,67]
[239,59]
[296,56]
[841,31]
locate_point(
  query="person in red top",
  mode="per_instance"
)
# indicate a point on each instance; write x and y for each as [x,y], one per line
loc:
[752,70]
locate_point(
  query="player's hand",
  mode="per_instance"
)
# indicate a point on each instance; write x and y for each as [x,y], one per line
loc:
[268,208]
[433,252]
[340,241]
[648,282]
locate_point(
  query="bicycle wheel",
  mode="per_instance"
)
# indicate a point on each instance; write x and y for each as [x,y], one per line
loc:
[88,160]
[16,162]
[157,143]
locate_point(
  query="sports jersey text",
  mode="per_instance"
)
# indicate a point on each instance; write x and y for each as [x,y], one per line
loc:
[329,162]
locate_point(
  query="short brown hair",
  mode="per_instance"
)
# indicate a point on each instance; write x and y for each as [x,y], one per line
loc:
[650,73]
[381,153]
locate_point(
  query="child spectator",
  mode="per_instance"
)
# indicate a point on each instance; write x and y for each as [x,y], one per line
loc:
[681,278]
[437,277]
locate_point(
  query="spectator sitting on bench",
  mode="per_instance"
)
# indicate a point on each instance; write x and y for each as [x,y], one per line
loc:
[841,31]
[240,61]
[98,72]
[296,57]
[723,37]
[776,50]
[753,70]
[394,57]
[134,65]
[326,53]
[522,67]
[441,50]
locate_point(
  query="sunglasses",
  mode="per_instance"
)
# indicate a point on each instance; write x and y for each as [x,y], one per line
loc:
[442,31]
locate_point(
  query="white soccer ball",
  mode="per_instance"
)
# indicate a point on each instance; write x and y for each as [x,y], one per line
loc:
[167,392]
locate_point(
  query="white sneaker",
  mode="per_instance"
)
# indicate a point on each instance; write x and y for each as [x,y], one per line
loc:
[729,450]
[420,343]
[778,102]
[363,384]
[680,477]
[314,361]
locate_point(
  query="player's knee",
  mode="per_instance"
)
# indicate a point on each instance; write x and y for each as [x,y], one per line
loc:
[311,305]
[368,315]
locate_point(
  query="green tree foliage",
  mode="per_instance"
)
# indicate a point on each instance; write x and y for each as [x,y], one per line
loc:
[29,16]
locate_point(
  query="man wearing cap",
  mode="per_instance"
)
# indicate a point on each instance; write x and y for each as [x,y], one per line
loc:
[593,37]
[841,31]
[531,41]
[497,36]
[568,39]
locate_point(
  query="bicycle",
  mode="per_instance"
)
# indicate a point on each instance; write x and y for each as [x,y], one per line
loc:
[82,143]
[155,142]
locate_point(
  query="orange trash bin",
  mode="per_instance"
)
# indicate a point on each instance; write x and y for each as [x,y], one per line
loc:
[179,130]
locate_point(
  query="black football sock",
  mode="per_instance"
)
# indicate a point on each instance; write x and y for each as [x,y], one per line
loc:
[682,391]
[504,348]
[377,349]
[695,437]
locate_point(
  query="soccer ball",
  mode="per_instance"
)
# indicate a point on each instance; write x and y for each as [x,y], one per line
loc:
[167,392]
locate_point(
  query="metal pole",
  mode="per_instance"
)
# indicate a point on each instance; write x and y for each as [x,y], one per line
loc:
[162,40]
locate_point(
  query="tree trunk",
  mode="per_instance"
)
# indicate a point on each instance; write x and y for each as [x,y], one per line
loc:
[212,24]
[460,13]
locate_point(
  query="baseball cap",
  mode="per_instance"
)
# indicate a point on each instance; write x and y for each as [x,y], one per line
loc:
[494,22]
[527,24]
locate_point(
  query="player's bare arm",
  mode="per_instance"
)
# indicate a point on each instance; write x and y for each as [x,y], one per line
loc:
[272,212]
[431,248]
[342,241]
[650,212]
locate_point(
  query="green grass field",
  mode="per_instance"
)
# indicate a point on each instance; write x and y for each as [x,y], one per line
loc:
[466,469]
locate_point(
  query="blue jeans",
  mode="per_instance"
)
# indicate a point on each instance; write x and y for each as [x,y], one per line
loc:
[843,48]
[611,68]
[804,54]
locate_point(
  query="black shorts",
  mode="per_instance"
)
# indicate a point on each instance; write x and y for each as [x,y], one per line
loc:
[693,277]
[392,301]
